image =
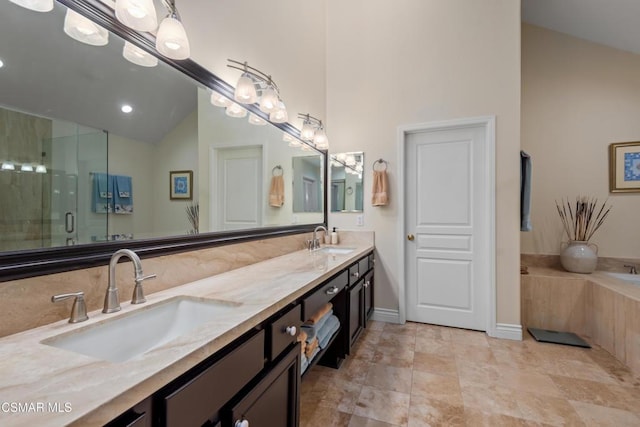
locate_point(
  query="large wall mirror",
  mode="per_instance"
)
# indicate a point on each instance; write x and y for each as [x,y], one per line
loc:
[347,193]
[97,150]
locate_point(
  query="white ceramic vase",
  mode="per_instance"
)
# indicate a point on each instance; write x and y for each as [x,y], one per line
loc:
[579,256]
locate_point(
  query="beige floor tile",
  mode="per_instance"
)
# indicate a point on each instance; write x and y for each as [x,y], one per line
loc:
[394,339]
[357,421]
[434,363]
[338,394]
[432,386]
[374,325]
[431,331]
[467,337]
[577,369]
[388,358]
[408,328]
[544,409]
[475,355]
[595,415]
[363,350]
[428,344]
[390,352]
[370,336]
[477,418]
[597,393]
[491,398]
[385,377]
[387,406]
[532,382]
[431,412]
[323,417]
[478,374]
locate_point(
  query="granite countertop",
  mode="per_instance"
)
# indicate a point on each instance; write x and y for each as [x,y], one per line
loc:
[598,277]
[61,387]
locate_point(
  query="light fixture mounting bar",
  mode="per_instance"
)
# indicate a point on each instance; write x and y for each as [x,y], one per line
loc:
[246,68]
[309,118]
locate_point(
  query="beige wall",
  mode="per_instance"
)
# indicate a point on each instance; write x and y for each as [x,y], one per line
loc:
[577,98]
[416,61]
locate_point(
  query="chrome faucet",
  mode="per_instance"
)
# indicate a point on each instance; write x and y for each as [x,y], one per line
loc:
[111,300]
[632,269]
[315,243]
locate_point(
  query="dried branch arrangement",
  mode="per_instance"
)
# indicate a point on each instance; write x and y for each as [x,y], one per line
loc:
[193,214]
[582,219]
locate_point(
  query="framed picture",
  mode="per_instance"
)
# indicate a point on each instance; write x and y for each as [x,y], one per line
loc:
[181,185]
[624,167]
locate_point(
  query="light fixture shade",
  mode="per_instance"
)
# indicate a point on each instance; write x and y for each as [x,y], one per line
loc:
[255,120]
[245,92]
[134,54]
[306,147]
[35,5]
[320,139]
[350,160]
[171,40]
[8,166]
[219,100]
[234,110]
[269,100]
[82,29]
[26,168]
[306,134]
[279,115]
[286,137]
[139,15]
[41,169]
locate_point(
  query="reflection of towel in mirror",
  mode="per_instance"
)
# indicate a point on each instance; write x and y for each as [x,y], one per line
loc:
[380,185]
[276,191]
[102,197]
[123,194]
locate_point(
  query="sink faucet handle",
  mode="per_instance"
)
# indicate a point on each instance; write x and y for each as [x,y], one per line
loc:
[79,308]
[138,291]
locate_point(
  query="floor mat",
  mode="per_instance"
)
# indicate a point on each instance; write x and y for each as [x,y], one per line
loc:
[567,338]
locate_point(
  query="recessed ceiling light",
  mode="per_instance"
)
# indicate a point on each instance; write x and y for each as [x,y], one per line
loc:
[1,63]
[126,108]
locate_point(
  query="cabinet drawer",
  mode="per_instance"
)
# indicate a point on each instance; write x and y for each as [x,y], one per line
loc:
[202,397]
[363,265]
[354,274]
[324,294]
[279,333]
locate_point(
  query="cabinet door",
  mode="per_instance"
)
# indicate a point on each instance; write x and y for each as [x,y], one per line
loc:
[368,297]
[274,401]
[356,312]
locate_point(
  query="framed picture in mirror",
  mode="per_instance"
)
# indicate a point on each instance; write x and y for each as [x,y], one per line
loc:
[181,185]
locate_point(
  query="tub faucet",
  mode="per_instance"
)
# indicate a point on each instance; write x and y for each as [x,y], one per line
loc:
[632,269]
[111,300]
[315,243]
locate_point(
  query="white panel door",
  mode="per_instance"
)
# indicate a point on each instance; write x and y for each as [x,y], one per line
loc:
[239,188]
[447,271]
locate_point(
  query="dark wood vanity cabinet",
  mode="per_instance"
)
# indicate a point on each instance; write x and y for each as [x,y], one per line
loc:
[360,298]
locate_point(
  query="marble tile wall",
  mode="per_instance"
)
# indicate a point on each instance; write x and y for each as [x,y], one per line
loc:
[26,303]
[562,301]
[553,261]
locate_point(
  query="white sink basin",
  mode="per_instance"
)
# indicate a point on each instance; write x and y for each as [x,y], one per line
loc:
[337,251]
[130,335]
[631,278]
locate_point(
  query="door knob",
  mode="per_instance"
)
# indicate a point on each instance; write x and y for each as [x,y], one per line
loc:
[410,237]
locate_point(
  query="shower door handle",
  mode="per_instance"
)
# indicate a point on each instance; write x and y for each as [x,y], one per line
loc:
[69,222]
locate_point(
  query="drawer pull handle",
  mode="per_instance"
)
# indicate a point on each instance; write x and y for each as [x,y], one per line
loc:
[332,290]
[356,274]
[291,330]
[366,284]
[241,423]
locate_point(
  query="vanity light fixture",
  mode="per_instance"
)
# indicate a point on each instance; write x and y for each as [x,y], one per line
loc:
[171,39]
[35,5]
[255,120]
[313,130]
[219,100]
[234,110]
[41,169]
[134,54]
[293,142]
[84,30]
[26,168]
[126,108]
[256,86]
[139,15]
[8,166]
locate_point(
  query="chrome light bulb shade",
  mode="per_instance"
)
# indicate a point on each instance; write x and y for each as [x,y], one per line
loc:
[269,99]
[219,100]
[139,15]
[84,30]
[35,5]
[234,110]
[255,120]
[279,115]
[172,40]
[245,92]
[135,55]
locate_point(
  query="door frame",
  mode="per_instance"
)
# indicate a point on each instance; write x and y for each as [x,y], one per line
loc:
[489,123]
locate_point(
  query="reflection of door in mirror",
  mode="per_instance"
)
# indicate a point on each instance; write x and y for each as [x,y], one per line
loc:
[307,178]
[337,195]
[238,201]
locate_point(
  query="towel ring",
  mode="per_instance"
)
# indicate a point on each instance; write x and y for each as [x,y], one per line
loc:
[273,171]
[386,164]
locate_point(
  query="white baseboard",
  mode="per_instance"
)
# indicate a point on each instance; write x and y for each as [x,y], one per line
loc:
[508,331]
[385,315]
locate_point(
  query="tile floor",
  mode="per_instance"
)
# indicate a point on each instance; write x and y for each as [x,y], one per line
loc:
[423,375]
